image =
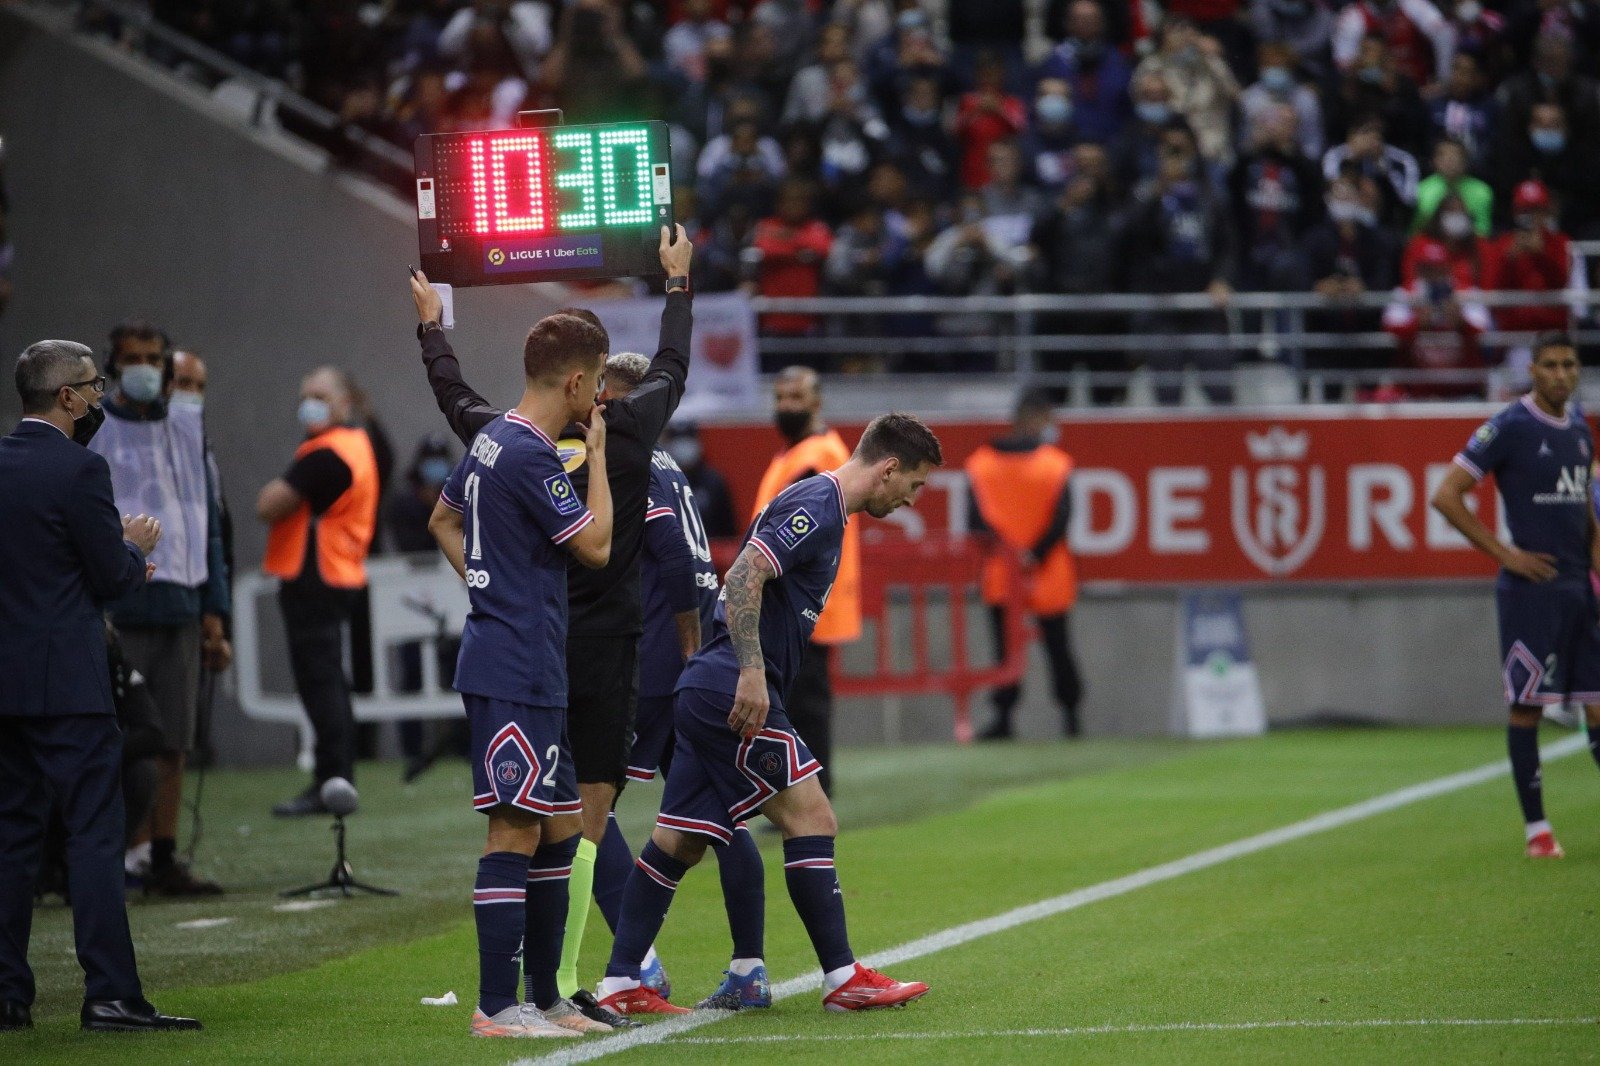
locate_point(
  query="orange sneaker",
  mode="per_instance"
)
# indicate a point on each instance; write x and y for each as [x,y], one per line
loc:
[516,1023]
[1543,846]
[640,1000]
[870,990]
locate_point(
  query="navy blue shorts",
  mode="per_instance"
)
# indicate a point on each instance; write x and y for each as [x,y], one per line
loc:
[520,757]
[652,738]
[1549,643]
[718,778]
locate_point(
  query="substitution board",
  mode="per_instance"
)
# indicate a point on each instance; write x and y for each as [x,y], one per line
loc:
[557,203]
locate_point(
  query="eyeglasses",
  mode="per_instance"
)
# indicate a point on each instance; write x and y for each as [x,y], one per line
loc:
[98,384]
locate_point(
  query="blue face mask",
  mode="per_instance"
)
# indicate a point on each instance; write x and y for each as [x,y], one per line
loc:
[1548,142]
[1277,79]
[1152,113]
[1053,110]
[141,383]
[314,414]
[434,471]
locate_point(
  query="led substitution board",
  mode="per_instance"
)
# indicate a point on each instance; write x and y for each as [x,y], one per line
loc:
[552,204]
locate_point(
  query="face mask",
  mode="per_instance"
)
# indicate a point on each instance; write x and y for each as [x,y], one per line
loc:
[1548,141]
[1152,113]
[1277,79]
[1455,224]
[1371,75]
[434,471]
[792,424]
[1468,10]
[1054,110]
[1345,211]
[313,414]
[918,116]
[86,425]
[185,398]
[141,383]
[685,452]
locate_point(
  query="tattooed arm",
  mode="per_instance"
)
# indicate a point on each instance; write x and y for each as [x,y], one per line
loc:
[741,606]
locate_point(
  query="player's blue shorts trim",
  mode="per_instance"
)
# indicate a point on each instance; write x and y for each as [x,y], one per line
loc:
[652,737]
[717,777]
[1549,643]
[520,757]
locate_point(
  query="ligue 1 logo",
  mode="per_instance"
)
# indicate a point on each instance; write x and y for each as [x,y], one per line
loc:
[508,772]
[801,524]
[497,257]
[1279,507]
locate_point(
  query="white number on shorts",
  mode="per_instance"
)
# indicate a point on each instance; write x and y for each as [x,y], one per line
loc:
[553,753]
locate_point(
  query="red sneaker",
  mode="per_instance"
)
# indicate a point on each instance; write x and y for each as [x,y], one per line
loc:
[870,990]
[1543,846]
[641,1000]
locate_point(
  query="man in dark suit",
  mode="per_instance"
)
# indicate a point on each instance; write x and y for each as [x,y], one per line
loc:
[63,555]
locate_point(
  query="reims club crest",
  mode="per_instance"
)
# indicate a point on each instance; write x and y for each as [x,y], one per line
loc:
[1279,501]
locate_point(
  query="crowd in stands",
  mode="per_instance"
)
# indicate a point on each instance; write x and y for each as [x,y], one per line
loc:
[1433,148]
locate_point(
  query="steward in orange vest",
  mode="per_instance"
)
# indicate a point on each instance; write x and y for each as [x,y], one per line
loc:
[811,449]
[322,513]
[1021,496]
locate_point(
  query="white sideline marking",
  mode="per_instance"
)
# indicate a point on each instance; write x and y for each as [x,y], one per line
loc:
[201,923]
[1171,1027]
[295,906]
[656,1032]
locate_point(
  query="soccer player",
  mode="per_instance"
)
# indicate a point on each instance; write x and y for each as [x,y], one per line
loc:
[1540,451]
[736,751]
[604,620]
[503,519]
[678,591]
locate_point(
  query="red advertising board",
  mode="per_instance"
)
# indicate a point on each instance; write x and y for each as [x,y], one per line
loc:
[1335,494]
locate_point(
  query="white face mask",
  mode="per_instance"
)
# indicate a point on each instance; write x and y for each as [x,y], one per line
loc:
[185,398]
[1455,224]
[314,414]
[141,383]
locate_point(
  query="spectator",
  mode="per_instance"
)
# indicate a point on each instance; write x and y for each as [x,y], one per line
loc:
[1450,229]
[909,52]
[1414,31]
[711,495]
[1550,79]
[1575,22]
[418,108]
[176,621]
[1465,110]
[1096,73]
[1222,21]
[741,167]
[706,109]
[1306,26]
[594,69]
[1279,85]
[920,143]
[1365,153]
[1373,85]
[984,30]
[1436,326]
[520,29]
[1479,33]
[792,31]
[786,254]
[1009,204]
[1348,254]
[865,256]
[811,91]
[1075,245]
[684,45]
[1550,151]
[972,257]
[1535,256]
[1450,178]
[1048,143]
[852,137]
[719,262]
[984,116]
[1134,156]
[1276,196]
[1203,90]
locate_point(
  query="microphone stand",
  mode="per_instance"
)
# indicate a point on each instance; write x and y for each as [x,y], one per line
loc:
[342,878]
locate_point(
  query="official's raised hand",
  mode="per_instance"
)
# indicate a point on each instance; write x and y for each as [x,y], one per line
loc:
[675,255]
[142,531]
[430,308]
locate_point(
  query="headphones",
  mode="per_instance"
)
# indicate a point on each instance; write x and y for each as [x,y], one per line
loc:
[140,328]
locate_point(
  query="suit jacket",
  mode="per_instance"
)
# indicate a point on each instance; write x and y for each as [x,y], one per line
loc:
[62,558]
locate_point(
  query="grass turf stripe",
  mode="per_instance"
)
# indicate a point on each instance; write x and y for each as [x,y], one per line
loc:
[658,1032]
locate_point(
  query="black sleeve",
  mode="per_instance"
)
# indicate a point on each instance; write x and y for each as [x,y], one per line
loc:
[650,406]
[112,566]
[465,410]
[1057,530]
[976,523]
[320,477]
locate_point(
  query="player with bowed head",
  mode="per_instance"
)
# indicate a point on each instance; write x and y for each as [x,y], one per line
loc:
[736,752]
[1540,452]
[503,519]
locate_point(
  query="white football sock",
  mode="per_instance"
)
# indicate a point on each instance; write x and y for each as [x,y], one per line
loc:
[649,958]
[744,967]
[834,978]
[610,986]
[1535,828]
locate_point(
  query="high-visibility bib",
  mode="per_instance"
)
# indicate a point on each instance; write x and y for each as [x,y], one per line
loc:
[344,530]
[1017,493]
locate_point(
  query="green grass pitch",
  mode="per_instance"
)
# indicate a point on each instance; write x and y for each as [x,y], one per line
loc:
[1307,952]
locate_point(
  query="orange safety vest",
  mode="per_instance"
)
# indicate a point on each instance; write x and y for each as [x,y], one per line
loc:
[344,531]
[1017,493]
[840,622]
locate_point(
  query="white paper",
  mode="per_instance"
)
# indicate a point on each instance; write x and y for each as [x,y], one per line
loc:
[446,1000]
[447,297]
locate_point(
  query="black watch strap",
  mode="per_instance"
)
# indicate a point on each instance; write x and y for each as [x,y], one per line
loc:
[678,281]
[424,328]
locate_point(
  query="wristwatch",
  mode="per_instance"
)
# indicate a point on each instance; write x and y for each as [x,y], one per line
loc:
[423,328]
[679,281]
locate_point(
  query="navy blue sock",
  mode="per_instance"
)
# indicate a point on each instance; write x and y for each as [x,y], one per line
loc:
[613,863]
[1523,744]
[546,915]
[651,886]
[814,888]
[497,906]
[744,894]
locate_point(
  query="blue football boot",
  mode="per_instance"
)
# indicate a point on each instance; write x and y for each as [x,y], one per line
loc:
[751,992]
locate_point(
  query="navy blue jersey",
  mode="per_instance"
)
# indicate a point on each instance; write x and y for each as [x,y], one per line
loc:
[1541,466]
[675,573]
[800,532]
[518,507]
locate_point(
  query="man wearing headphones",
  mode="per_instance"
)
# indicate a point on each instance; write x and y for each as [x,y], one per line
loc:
[157,455]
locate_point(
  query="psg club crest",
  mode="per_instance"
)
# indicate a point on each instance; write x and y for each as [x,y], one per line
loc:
[1279,501]
[771,764]
[508,772]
